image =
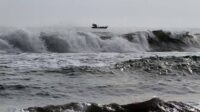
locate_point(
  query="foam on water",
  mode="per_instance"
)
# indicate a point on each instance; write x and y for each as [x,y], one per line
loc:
[79,41]
[55,67]
[42,79]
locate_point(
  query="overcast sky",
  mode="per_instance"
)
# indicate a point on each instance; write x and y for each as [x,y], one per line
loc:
[135,13]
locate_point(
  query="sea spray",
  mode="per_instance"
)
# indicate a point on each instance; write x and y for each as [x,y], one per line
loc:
[92,41]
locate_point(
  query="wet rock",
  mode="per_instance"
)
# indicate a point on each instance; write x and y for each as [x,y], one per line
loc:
[158,105]
[163,65]
[153,105]
[54,108]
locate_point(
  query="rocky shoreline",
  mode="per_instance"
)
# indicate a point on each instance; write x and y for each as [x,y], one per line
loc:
[153,105]
[186,65]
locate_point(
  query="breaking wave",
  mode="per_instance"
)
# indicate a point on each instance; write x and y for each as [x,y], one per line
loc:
[90,41]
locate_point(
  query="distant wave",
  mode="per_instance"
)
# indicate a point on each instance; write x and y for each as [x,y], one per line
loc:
[153,105]
[90,41]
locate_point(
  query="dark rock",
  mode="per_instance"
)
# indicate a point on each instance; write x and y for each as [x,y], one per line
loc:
[53,108]
[153,105]
[163,65]
[158,105]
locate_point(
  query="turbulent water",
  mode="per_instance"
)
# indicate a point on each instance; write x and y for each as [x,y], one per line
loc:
[76,41]
[94,68]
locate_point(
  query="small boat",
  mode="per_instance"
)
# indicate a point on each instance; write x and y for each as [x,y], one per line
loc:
[95,26]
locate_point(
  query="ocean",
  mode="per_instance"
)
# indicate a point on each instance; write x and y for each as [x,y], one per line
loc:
[57,66]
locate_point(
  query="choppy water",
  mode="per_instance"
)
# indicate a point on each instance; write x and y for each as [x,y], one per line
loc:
[48,69]
[41,79]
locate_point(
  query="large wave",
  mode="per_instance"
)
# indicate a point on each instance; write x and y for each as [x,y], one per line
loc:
[97,41]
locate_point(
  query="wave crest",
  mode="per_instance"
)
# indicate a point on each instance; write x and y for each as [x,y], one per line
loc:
[90,41]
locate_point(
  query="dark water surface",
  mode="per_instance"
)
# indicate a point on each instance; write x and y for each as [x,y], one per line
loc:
[32,79]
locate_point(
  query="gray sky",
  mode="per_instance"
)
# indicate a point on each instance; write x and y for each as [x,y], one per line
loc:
[135,13]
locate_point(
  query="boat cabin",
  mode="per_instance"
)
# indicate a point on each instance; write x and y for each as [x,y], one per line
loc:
[95,26]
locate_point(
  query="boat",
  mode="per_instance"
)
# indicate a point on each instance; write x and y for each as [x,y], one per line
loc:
[95,26]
